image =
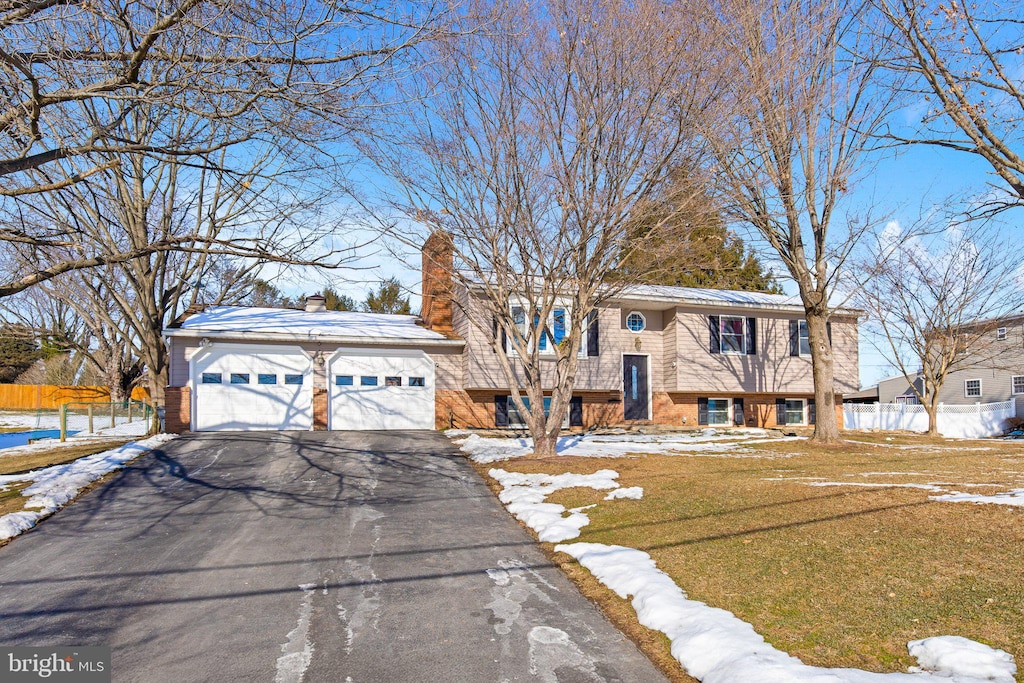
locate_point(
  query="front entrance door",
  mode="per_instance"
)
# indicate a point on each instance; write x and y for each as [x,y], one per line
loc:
[635,405]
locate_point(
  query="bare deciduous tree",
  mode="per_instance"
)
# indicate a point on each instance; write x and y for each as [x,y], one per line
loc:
[934,300]
[964,62]
[72,73]
[531,142]
[799,116]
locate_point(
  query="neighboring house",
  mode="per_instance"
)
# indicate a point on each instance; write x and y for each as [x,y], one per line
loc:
[990,373]
[664,355]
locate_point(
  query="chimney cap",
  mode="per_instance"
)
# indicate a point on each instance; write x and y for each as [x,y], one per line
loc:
[315,302]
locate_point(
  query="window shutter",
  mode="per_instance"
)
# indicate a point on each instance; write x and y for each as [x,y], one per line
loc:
[702,411]
[828,330]
[501,411]
[576,411]
[780,412]
[751,336]
[737,411]
[794,338]
[592,334]
[812,413]
[715,345]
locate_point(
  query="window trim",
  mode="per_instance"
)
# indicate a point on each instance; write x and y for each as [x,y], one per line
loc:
[549,336]
[980,388]
[643,321]
[728,412]
[743,335]
[1001,334]
[803,412]
[803,332]
[1014,392]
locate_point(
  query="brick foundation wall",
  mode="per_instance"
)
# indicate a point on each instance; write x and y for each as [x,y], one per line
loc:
[475,409]
[178,410]
[320,409]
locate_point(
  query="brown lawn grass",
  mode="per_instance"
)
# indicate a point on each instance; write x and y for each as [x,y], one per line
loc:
[17,464]
[838,576]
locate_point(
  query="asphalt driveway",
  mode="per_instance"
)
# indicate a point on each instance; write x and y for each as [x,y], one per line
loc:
[315,556]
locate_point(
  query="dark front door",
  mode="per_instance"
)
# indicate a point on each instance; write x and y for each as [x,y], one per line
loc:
[634,388]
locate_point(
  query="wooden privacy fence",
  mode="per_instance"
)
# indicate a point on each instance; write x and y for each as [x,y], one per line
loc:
[48,397]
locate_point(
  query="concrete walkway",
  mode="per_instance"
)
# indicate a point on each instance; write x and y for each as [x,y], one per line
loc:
[305,556]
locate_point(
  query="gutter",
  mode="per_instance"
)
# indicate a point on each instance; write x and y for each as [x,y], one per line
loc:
[347,340]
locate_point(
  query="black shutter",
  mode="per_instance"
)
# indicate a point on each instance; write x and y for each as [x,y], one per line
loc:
[592,333]
[715,345]
[576,411]
[794,337]
[751,336]
[780,412]
[702,411]
[737,411]
[812,413]
[828,329]
[501,411]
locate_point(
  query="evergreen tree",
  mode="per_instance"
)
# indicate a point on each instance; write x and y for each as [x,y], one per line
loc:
[334,301]
[691,246]
[18,351]
[387,299]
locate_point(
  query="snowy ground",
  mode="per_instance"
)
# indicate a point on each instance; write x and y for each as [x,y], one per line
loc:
[1014,497]
[712,644]
[486,450]
[78,424]
[52,487]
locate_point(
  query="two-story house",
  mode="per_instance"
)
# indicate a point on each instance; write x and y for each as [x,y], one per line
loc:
[653,354]
[990,370]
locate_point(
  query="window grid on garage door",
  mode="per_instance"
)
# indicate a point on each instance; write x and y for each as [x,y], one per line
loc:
[370,381]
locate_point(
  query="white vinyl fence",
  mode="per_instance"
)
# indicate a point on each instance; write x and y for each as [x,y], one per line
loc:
[955,421]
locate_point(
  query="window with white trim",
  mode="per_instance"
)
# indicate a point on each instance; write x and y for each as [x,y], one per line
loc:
[804,338]
[1017,384]
[1001,334]
[718,411]
[908,399]
[731,334]
[550,334]
[972,388]
[796,413]
[635,322]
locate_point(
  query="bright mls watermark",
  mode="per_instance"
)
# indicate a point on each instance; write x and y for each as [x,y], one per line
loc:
[55,664]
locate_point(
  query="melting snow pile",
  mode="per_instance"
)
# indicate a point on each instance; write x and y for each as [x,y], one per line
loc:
[709,441]
[524,494]
[715,646]
[52,487]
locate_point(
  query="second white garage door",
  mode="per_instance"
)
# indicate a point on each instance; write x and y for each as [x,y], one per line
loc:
[381,389]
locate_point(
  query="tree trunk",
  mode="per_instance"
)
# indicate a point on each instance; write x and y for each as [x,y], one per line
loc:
[826,425]
[933,420]
[544,444]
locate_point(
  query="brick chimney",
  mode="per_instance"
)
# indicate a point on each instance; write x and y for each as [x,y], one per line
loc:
[436,309]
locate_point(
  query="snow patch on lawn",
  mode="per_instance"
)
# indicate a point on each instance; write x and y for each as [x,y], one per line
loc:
[52,487]
[488,450]
[715,646]
[524,495]
[632,492]
[1014,497]
[31,420]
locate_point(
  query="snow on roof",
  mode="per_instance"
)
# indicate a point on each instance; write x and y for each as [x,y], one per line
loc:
[702,295]
[313,324]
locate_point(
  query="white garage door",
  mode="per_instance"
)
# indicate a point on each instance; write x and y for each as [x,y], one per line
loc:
[252,387]
[381,389]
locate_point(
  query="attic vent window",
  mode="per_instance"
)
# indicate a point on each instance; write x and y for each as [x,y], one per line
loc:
[636,322]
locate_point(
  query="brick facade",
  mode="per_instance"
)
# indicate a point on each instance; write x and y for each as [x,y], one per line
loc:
[178,410]
[320,409]
[475,409]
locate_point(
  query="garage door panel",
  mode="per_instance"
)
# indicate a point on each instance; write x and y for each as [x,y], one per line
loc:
[364,401]
[259,389]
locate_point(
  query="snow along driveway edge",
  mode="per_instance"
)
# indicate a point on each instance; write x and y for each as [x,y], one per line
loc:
[53,487]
